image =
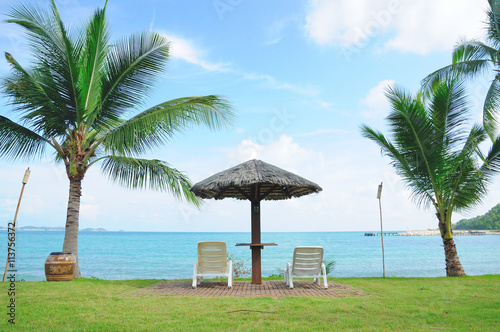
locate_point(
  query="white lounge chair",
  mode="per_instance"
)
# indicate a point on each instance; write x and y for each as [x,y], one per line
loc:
[212,262]
[307,263]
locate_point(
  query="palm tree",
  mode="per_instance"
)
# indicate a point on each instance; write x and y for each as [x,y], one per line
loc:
[75,97]
[437,154]
[471,58]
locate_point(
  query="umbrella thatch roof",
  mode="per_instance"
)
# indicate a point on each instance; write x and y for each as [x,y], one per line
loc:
[240,182]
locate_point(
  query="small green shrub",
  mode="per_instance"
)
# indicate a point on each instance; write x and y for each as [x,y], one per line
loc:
[239,268]
[329,265]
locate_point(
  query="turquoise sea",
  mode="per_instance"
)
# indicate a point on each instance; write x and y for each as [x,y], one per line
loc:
[143,255]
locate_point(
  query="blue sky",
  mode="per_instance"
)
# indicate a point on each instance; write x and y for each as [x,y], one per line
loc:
[302,77]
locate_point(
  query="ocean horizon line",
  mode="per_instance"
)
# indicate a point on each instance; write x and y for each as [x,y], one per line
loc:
[57,229]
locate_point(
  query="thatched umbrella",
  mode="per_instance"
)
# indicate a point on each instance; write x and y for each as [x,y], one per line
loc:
[255,180]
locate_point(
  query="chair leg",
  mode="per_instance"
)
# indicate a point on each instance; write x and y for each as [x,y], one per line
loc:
[230,276]
[324,276]
[195,277]
[289,275]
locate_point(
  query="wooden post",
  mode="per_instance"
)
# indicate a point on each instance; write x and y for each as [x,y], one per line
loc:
[256,251]
[379,196]
[25,180]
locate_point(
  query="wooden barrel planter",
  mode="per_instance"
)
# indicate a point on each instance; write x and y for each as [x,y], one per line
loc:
[60,266]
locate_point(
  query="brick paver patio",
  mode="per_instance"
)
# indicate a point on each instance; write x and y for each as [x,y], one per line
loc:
[274,289]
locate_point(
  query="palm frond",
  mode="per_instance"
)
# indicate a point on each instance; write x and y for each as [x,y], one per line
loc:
[470,50]
[153,174]
[406,165]
[34,100]
[491,110]
[38,24]
[476,137]
[406,110]
[493,29]
[69,67]
[93,60]
[56,67]
[18,142]
[469,59]
[470,188]
[132,68]
[464,181]
[449,112]
[469,69]
[155,126]
[413,132]
[491,164]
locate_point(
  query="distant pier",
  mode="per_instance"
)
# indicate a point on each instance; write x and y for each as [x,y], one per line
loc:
[435,232]
[378,233]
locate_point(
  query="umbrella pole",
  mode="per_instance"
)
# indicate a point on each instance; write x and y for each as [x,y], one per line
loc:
[256,251]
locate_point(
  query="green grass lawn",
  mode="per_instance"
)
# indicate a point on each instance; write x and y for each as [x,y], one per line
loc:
[396,304]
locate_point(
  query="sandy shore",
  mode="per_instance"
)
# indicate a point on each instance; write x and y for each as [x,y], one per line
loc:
[435,232]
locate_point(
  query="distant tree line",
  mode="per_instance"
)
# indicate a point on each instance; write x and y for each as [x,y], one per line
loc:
[489,221]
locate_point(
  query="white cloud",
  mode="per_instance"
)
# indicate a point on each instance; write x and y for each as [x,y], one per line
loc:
[283,152]
[416,26]
[436,25]
[341,21]
[376,102]
[183,49]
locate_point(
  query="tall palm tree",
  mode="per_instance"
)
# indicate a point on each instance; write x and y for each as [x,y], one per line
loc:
[75,99]
[437,154]
[472,58]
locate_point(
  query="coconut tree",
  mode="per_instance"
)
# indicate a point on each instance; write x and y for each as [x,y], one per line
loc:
[82,97]
[437,154]
[472,58]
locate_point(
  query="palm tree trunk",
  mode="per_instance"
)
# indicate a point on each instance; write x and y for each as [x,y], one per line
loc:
[453,266]
[72,221]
